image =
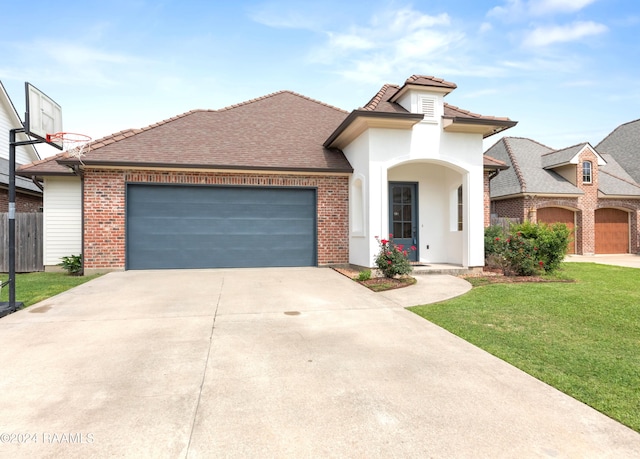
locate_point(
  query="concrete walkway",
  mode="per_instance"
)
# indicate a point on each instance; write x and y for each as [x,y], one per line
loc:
[627,260]
[298,362]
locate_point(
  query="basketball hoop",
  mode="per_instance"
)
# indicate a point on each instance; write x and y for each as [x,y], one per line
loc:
[76,145]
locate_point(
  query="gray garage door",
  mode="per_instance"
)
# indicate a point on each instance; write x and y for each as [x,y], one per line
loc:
[174,226]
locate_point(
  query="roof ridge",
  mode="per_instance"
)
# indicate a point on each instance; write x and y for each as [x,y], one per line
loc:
[126,133]
[267,96]
[516,166]
[531,140]
[377,98]
[567,148]
[415,77]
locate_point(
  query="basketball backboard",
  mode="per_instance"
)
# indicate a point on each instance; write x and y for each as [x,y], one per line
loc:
[43,115]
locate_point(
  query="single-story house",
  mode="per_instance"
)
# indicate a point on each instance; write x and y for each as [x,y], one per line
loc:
[584,187]
[28,192]
[281,180]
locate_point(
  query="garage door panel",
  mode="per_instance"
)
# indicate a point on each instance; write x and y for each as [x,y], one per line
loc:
[551,215]
[175,226]
[612,231]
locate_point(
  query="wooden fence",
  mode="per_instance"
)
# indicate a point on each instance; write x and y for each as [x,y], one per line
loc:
[29,236]
[504,222]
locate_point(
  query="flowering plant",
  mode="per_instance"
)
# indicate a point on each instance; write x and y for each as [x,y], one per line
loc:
[392,259]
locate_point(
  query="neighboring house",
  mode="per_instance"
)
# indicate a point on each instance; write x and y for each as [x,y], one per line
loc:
[581,186]
[28,193]
[282,180]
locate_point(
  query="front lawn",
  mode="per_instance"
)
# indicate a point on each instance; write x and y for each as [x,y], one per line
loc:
[582,338]
[34,287]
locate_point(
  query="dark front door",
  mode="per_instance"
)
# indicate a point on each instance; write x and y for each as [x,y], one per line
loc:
[403,216]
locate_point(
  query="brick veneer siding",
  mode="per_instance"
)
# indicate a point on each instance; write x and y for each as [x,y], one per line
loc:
[24,202]
[487,198]
[104,209]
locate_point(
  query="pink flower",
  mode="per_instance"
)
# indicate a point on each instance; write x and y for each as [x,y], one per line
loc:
[413,247]
[390,236]
[384,241]
[497,239]
[541,263]
[388,262]
[400,247]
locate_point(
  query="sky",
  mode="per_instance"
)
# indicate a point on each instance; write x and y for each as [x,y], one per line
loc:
[566,70]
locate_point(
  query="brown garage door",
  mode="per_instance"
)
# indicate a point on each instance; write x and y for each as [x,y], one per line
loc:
[552,215]
[612,231]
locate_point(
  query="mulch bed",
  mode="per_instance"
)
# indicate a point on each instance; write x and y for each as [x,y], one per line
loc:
[377,284]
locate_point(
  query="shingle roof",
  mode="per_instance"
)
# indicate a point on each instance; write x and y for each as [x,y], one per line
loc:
[47,166]
[493,163]
[21,182]
[279,131]
[624,145]
[563,156]
[526,175]
[528,158]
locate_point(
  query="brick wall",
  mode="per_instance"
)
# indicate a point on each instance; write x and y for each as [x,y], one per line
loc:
[24,202]
[104,214]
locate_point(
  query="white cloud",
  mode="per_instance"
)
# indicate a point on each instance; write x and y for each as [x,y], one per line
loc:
[394,41]
[485,27]
[544,7]
[544,36]
[519,10]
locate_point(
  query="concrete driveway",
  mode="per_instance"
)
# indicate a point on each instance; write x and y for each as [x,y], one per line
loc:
[298,362]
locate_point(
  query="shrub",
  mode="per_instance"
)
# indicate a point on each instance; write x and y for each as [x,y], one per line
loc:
[72,264]
[364,275]
[526,248]
[392,259]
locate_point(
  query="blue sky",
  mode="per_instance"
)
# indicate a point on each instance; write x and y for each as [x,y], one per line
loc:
[566,70]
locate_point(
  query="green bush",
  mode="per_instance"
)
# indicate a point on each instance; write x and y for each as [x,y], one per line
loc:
[72,264]
[526,248]
[392,259]
[364,275]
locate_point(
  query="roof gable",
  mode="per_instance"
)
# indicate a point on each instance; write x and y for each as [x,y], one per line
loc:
[569,155]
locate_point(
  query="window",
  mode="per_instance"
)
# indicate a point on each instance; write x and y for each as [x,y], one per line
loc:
[460,207]
[586,172]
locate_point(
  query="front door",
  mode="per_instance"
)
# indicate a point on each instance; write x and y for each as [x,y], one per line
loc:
[403,216]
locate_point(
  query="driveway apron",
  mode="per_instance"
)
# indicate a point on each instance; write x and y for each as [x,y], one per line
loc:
[294,362]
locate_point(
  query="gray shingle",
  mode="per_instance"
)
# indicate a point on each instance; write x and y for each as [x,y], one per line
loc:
[624,145]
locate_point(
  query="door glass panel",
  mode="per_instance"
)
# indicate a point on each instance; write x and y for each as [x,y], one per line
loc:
[406,215]
[397,229]
[407,231]
[397,194]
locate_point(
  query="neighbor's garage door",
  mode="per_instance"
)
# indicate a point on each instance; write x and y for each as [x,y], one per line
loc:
[612,231]
[174,226]
[552,215]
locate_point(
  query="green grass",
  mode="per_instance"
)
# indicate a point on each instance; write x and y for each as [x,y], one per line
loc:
[34,287]
[582,338]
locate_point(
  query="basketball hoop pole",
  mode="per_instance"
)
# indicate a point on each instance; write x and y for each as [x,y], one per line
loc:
[13,306]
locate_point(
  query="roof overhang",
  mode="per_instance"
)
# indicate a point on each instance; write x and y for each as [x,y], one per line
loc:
[486,127]
[359,121]
[131,165]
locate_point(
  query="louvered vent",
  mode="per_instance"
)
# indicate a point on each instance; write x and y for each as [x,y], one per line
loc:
[428,107]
